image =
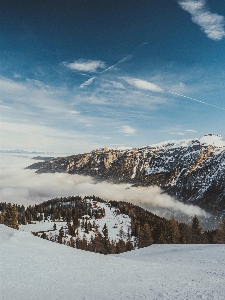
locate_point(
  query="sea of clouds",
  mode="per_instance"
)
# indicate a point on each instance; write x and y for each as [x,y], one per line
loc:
[23,186]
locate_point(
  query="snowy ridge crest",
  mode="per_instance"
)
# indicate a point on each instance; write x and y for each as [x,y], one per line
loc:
[207,139]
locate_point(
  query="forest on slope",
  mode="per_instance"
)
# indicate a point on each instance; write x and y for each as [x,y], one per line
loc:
[80,215]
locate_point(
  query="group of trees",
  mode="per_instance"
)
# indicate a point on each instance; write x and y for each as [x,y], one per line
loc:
[8,215]
[99,242]
[58,209]
[152,229]
[146,227]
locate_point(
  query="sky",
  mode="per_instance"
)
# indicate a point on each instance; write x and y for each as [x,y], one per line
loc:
[80,75]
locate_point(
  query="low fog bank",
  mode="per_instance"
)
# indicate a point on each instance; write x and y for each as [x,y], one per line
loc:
[25,187]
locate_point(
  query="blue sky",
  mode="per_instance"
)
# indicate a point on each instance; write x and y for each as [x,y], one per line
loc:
[80,75]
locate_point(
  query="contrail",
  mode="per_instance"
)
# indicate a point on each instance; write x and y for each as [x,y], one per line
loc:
[196,100]
[119,62]
[88,82]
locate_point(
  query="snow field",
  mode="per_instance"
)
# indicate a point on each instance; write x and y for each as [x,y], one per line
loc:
[33,268]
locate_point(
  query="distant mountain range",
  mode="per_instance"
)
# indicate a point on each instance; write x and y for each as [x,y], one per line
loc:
[192,171]
[19,151]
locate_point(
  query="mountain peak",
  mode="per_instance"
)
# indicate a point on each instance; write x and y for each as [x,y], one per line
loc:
[213,139]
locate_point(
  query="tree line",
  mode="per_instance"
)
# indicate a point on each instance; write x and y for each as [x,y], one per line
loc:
[163,231]
[146,227]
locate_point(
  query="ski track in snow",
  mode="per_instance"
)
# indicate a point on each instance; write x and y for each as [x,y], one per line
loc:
[33,268]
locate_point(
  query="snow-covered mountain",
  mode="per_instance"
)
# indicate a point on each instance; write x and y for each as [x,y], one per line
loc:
[190,170]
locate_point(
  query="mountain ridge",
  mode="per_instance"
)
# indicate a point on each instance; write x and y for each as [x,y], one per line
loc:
[192,171]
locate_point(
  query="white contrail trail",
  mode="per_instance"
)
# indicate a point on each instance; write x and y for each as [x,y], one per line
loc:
[196,100]
[119,62]
[89,81]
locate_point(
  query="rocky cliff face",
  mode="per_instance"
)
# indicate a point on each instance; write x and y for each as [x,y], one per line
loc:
[193,171]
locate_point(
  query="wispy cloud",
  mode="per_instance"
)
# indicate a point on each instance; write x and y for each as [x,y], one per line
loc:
[43,138]
[211,23]
[142,84]
[32,94]
[86,65]
[73,112]
[178,130]
[190,130]
[127,130]
[177,133]
[88,82]
[117,85]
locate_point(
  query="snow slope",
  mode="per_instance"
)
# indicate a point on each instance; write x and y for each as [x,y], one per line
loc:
[33,268]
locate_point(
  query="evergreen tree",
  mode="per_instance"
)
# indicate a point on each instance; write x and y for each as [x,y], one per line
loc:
[121,246]
[10,216]
[144,236]
[105,239]
[61,234]
[1,218]
[105,232]
[129,246]
[220,234]
[196,231]
[173,233]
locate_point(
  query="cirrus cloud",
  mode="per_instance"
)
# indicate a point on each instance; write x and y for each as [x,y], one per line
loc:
[86,65]
[127,130]
[142,84]
[212,24]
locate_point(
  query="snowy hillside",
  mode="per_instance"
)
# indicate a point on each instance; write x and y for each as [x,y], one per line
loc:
[34,268]
[118,225]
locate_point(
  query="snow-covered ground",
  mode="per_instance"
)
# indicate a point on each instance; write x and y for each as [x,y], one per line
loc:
[33,268]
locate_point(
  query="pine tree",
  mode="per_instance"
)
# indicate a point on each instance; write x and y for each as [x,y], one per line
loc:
[220,233]
[61,234]
[196,231]
[1,218]
[10,216]
[105,239]
[105,232]
[173,233]
[144,236]
[121,246]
